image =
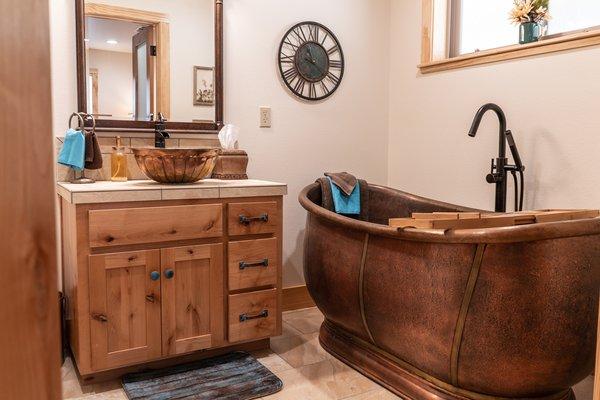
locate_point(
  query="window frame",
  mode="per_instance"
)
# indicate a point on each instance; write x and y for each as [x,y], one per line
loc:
[437,41]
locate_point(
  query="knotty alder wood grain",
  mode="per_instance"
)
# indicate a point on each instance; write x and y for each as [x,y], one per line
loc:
[192,300]
[30,338]
[252,304]
[192,303]
[253,210]
[154,224]
[256,252]
[124,308]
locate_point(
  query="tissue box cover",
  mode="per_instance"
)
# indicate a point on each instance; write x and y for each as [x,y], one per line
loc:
[231,164]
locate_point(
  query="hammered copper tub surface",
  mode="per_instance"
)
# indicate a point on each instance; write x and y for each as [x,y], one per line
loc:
[475,314]
[176,165]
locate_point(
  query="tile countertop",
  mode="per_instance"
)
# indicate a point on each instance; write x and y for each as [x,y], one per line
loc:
[146,190]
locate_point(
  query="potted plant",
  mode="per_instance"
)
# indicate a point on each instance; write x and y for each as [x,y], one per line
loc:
[530,15]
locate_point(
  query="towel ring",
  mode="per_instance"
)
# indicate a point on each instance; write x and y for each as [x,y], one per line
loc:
[90,116]
[81,121]
[82,117]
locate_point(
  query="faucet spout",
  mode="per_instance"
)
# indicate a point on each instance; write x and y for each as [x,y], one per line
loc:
[501,118]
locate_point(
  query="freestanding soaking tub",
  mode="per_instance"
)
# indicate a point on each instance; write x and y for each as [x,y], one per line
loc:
[478,314]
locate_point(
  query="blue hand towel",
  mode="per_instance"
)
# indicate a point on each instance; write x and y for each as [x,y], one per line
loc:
[72,153]
[343,204]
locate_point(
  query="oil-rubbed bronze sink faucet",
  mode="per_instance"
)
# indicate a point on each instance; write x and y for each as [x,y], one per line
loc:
[160,134]
[500,166]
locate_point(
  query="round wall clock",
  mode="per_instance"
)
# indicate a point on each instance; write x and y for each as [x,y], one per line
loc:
[311,61]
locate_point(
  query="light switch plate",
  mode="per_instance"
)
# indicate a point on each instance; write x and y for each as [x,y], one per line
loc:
[265,117]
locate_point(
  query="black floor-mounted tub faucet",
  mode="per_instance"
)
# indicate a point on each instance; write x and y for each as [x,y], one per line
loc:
[500,166]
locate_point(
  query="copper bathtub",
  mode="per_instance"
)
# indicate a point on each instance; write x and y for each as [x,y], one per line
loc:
[477,314]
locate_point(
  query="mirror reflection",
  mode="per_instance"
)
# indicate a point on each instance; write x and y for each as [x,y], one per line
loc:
[149,57]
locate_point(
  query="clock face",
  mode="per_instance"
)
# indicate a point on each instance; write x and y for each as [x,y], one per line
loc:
[311,61]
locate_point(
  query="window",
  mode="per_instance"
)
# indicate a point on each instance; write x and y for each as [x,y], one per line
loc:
[465,33]
[481,25]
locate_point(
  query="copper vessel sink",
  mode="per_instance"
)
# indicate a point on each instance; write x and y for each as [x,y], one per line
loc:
[176,165]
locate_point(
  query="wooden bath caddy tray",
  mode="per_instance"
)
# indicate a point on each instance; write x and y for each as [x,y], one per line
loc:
[475,220]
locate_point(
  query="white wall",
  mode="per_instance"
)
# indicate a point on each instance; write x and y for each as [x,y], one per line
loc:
[115,82]
[63,63]
[347,132]
[552,106]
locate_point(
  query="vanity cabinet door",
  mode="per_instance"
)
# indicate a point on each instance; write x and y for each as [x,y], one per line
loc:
[125,308]
[192,292]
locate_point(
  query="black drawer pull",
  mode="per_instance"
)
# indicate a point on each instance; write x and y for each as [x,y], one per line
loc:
[263,263]
[246,317]
[247,220]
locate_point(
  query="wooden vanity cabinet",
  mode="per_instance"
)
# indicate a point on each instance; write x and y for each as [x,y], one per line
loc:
[149,281]
[125,312]
[192,298]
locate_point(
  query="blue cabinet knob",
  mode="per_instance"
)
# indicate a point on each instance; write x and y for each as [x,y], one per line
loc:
[154,275]
[169,274]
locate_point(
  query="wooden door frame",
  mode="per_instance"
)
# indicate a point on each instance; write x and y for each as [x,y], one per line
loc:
[150,35]
[95,98]
[597,372]
[83,9]
[30,339]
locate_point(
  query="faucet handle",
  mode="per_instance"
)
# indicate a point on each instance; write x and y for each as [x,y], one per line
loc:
[493,177]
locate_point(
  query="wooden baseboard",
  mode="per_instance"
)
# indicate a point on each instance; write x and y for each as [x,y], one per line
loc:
[296,298]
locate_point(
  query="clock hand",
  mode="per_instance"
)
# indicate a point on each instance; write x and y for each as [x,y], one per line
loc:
[319,68]
[311,55]
[312,61]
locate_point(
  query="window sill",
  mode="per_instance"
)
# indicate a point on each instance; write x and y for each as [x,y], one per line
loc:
[544,46]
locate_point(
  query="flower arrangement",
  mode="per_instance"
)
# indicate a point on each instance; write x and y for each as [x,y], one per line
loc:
[530,11]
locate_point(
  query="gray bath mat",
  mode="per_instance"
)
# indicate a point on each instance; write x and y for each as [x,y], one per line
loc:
[235,376]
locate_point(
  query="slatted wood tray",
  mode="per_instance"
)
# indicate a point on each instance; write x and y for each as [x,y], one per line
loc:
[475,220]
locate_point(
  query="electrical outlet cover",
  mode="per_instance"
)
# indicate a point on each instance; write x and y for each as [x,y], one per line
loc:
[265,117]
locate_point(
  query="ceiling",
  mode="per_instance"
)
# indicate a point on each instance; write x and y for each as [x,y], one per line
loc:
[99,30]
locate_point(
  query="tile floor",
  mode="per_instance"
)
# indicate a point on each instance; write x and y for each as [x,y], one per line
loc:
[307,371]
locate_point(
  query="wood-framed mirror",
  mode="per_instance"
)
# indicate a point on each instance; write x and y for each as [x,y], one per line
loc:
[141,59]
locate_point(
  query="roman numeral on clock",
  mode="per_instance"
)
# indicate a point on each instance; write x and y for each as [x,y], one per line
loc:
[299,87]
[336,64]
[290,74]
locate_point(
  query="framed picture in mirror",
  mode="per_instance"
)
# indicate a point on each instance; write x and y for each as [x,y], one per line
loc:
[204,86]
[134,58]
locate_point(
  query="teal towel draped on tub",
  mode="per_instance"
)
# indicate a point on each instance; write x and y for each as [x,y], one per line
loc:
[344,204]
[72,153]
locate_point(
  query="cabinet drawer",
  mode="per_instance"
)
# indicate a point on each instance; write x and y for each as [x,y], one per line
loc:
[154,224]
[253,263]
[253,315]
[253,218]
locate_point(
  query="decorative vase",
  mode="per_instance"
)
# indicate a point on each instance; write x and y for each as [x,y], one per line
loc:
[529,32]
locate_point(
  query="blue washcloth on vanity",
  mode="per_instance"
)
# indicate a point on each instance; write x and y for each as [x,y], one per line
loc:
[344,204]
[72,153]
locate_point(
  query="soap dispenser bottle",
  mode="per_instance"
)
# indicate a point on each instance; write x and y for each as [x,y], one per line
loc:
[118,163]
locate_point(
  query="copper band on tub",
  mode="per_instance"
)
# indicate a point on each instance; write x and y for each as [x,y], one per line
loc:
[464,311]
[361,280]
